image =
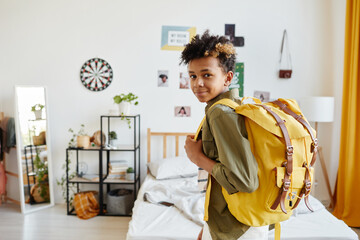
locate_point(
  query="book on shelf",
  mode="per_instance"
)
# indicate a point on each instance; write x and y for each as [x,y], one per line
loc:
[118,163]
[117,169]
[117,176]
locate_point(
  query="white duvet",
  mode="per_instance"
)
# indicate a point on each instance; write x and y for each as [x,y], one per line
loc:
[153,221]
[156,222]
[185,197]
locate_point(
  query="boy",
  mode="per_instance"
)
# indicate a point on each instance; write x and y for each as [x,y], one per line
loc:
[223,150]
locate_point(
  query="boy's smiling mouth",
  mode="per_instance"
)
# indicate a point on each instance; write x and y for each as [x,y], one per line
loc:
[200,92]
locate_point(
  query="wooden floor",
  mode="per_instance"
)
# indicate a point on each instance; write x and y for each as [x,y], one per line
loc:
[53,223]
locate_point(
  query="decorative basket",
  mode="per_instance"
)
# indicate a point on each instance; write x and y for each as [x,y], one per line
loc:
[38,140]
[83,141]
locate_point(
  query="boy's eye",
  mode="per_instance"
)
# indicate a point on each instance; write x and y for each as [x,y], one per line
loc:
[192,76]
[207,75]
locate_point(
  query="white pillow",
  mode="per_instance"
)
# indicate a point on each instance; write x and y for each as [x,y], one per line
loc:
[174,167]
[302,208]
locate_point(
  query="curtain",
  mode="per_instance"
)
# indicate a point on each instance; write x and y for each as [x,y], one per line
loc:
[347,191]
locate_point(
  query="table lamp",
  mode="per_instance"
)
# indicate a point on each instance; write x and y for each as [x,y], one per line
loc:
[318,110]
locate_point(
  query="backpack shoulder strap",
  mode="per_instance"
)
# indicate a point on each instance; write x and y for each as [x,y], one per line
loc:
[225,101]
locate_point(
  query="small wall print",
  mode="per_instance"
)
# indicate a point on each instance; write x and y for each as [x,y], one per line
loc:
[163,78]
[263,96]
[182,111]
[184,80]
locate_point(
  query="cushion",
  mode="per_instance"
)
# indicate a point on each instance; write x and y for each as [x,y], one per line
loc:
[173,167]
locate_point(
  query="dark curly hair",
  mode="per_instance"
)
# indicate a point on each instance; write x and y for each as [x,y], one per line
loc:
[210,45]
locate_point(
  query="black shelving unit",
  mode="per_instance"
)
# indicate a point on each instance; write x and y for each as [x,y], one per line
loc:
[104,150]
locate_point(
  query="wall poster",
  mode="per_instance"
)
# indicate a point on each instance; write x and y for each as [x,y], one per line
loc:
[238,79]
[175,37]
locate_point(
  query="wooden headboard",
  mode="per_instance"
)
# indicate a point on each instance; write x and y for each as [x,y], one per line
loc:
[164,135]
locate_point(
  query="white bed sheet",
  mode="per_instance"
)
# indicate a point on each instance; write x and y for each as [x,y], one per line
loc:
[154,222]
[319,225]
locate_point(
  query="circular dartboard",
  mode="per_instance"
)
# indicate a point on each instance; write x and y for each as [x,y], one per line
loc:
[96,74]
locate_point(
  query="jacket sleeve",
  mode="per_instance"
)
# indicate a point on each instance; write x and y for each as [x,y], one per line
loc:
[236,169]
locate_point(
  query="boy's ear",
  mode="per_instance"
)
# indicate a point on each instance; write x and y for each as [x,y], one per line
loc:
[229,77]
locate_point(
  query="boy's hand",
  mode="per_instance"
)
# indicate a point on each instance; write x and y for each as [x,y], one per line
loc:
[193,149]
[200,235]
[195,153]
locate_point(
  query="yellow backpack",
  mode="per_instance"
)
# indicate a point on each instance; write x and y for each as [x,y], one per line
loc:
[284,146]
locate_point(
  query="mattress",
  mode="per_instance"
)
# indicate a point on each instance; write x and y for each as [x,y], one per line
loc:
[156,222]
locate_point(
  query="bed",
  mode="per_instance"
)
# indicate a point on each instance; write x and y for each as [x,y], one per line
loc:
[164,210]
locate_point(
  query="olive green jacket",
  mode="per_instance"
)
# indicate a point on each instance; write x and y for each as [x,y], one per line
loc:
[224,139]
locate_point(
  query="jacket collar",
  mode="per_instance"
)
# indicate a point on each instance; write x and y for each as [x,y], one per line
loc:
[228,94]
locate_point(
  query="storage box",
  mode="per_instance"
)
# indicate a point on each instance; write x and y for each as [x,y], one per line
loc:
[120,201]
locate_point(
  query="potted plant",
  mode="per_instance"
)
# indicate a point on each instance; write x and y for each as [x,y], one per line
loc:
[130,174]
[112,137]
[37,109]
[40,191]
[62,181]
[82,138]
[124,101]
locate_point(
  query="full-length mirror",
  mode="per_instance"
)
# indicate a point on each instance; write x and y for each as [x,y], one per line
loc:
[33,148]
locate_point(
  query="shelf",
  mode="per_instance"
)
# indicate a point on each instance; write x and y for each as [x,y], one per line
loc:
[117,148]
[36,146]
[103,183]
[85,149]
[120,116]
[122,148]
[114,181]
[83,180]
[120,181]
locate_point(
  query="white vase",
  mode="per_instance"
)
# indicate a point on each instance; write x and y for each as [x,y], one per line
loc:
[130,176]
[124,108]
[113,142]
[38,114]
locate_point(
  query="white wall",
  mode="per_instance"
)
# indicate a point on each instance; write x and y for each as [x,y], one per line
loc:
[46,43]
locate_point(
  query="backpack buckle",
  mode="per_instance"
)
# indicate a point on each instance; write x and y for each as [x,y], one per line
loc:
[280,122]
[314,145]
[289,150]
[307,185]
[286,184]
[298,117]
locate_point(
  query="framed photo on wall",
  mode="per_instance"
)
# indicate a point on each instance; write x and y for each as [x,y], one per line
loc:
[182,111]
[262,95]
[163,78]
[184,80]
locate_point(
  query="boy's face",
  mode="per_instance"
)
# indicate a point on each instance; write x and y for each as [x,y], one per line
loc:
[207,78]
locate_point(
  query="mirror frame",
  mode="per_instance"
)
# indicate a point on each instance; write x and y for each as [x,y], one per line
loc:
[19,148]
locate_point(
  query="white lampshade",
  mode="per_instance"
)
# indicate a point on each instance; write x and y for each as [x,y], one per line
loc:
[318,109]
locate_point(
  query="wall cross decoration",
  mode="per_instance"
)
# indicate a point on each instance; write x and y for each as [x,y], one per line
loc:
[230,33]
